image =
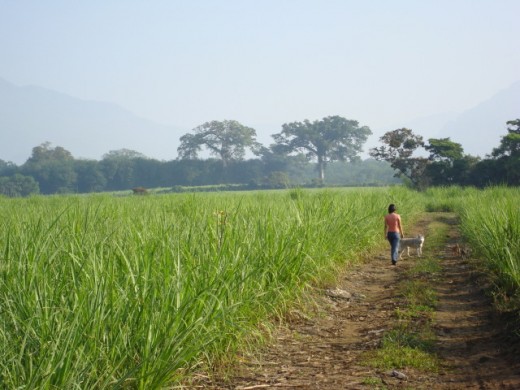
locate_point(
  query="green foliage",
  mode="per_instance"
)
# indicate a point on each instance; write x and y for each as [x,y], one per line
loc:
[398,149]
[447,164]
[510,143]
[331,139]
[18,185]
[443,149]
[368,172]
[104,292]
[52,168]
[490,221]
[404,347]
[227,140]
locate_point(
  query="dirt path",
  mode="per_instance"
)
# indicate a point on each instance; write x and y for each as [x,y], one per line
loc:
[327,350]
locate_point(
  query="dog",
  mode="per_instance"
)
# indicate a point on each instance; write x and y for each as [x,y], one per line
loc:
[407,243]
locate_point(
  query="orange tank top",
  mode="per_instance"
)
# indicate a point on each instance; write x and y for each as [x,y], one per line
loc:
[393,221]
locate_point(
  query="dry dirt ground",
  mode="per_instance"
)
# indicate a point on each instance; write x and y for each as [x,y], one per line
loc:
[328,350]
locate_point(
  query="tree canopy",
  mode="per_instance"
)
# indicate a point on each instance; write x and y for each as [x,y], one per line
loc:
[333,138]
[507,154]
[227,140]
[398,149]
[52,168]
[300,148]
[444,149]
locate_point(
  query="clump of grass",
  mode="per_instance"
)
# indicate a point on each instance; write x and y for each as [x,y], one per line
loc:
[419,293]
[445,199]
[374,383]
[405,348]
[410,343]
[414,312]
[440,206]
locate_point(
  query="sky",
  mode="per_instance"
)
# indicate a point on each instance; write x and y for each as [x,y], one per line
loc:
[266,63]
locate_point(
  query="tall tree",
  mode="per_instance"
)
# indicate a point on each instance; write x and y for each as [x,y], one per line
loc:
[445,161]
[508,153]
[510,143]
[90,176]
[331,139]
[118,168]
[227,140]
[443,149]
[52,167]
[398,149]
[18,185]
[7,168]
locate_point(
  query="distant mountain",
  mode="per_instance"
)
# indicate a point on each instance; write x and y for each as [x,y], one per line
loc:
[32,115]
[430,126]
[481,128]
[478,129]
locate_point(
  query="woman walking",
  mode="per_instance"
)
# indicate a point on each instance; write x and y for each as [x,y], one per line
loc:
[393,232]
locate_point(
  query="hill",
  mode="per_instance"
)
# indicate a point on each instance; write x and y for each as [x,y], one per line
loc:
[480,129]
[32,115]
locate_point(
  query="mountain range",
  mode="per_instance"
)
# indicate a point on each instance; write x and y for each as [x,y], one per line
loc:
[32,115]
[478,129]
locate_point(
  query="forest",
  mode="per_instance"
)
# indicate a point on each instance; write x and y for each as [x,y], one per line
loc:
[305,154]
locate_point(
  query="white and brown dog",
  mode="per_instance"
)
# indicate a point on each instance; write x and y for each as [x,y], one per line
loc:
[414,243]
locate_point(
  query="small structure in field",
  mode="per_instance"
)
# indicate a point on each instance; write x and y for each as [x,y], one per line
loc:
[140,191]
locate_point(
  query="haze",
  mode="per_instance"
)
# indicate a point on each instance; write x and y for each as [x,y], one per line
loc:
[265,63]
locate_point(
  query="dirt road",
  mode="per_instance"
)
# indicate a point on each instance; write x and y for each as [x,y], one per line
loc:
[328,349]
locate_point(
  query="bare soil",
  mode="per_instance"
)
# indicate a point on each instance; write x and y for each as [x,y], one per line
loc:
[327,349]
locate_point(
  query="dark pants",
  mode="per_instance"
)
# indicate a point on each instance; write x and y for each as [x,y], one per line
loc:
[393,238]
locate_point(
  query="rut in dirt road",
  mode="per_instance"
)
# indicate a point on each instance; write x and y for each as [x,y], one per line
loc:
[328,348]
[475,344]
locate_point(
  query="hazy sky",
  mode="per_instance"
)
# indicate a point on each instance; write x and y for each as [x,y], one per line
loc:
[265,63]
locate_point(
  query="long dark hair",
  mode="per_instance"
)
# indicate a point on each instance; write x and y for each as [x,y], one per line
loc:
[391,208]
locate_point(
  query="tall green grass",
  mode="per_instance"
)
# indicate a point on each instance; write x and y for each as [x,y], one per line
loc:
[136,292]
[490,222]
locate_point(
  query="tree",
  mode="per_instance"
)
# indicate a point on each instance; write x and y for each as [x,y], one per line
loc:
[332,139]
[508,153]
[227,140]
[7,168]
[275,159]
[443,149]
[445,161]
[45,152]
[52,168]
[18,185]
[510,143]
[118,168]
[400,145]
[90,177]
[123,154]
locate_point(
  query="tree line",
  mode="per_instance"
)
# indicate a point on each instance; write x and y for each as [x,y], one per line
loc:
[447,164]
[300,156]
